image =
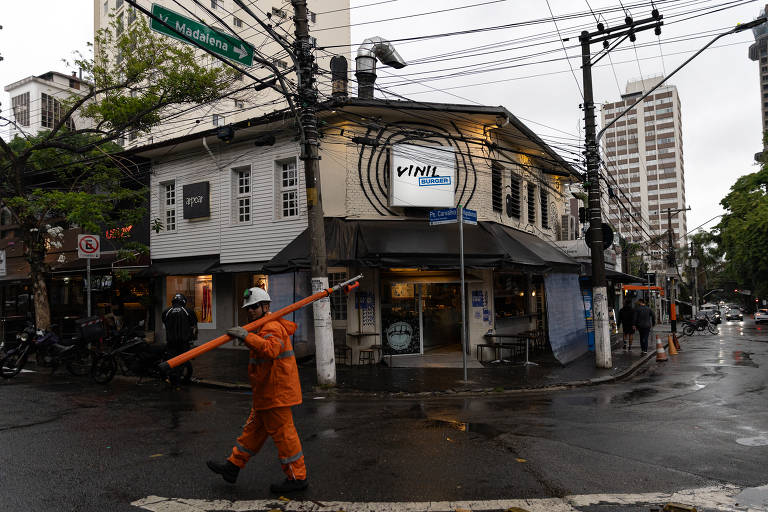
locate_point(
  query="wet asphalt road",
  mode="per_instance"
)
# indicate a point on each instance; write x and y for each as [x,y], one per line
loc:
[697,420]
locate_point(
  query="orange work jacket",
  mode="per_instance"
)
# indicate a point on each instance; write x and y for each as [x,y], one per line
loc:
[272,366]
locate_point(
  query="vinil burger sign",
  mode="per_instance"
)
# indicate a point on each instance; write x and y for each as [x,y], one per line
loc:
[422,176]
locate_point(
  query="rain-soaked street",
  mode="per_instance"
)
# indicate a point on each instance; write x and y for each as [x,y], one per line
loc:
[696,425]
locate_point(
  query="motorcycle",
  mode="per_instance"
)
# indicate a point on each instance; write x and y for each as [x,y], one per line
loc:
[134,356]
[700,324]
[50,352]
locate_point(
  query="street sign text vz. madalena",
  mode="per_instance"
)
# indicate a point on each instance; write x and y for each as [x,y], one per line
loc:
[217,42]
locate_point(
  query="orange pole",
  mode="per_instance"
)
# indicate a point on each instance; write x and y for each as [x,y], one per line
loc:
[217,342]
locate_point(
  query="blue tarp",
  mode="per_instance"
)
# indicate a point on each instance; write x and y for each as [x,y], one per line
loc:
[565,316]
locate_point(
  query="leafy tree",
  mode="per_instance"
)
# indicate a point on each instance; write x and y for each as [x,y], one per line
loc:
[743,231]
[66,176]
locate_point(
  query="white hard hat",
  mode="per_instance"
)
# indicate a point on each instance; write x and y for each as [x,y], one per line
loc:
[255,295]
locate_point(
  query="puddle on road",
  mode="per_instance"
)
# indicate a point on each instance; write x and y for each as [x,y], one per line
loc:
[635,395]
[755,498]
[753,441]
[479,428]
[742,358]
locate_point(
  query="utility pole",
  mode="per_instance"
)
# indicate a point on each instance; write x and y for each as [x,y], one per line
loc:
[695,267]
[305,66]
[672,265]
[592,153]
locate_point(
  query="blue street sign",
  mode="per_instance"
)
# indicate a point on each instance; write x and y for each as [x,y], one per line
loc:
[444,216]
[469,216]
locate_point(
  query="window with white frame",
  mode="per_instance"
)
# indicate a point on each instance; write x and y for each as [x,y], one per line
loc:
[169,204]
[241,197]
[287,175]
[218,120]
[338,300]
[20,106]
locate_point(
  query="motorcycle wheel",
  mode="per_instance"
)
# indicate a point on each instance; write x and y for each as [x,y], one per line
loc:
[12,364]
[103,369]
[688,330]
[81,362]
[712,328]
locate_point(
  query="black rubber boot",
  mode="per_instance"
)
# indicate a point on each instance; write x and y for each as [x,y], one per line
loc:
[289,485]
[227,470]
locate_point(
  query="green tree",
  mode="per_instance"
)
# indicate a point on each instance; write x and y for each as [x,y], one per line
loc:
[67,175]
[743,231]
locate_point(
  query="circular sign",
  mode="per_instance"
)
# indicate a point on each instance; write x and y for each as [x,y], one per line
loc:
[89,244]
[607,236]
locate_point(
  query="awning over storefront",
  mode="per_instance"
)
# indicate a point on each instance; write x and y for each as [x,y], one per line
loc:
[611,275]
[222,268]
[180,266]
[409,244]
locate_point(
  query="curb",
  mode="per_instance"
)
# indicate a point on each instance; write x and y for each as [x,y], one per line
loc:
[318,393]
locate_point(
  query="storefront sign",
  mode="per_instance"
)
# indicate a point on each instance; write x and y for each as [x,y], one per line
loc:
[197,200]
[3,270]
[422,176]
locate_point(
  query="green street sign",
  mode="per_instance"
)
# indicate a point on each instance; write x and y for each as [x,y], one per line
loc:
[217,42]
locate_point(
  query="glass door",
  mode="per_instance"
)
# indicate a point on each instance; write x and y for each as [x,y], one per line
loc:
[441,314]
[400,318]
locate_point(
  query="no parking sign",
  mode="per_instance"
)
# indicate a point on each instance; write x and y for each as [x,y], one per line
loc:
[89,246]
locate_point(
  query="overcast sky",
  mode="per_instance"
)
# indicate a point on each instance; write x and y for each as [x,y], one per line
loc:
[719,90]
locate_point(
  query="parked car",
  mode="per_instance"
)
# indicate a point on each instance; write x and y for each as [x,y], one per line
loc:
[734,314]
[761,315]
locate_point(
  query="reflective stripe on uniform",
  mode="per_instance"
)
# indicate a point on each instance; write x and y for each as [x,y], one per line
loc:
[282,355]
[292,459]
[244,449]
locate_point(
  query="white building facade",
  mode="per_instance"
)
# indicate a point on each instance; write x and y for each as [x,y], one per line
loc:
[643,153]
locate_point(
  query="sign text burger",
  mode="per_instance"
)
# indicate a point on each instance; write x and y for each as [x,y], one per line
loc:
[422,176]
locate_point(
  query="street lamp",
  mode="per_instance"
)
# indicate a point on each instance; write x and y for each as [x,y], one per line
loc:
[710,292]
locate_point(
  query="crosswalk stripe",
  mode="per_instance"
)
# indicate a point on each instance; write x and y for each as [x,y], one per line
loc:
[715,497]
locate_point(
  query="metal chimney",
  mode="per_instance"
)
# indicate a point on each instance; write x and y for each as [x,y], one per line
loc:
[365,63]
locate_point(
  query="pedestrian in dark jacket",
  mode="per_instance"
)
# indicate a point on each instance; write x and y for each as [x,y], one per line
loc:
[645,320]
[627,318]
[180,325]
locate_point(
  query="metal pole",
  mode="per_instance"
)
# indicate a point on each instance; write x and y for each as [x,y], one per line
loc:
[88,283]
[670,265]
[599,284]
[463,297]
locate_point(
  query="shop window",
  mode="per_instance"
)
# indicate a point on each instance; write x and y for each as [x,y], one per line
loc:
[544,201]
[199,293]
[338,300]
[241,193]
[496,169]
[531,203]
[513,209]
[509,293]
[287,188]
[169,205]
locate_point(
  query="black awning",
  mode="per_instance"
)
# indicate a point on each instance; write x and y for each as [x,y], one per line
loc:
[612,275]
[254,266]
[413,243]
[545,251]
[180,266]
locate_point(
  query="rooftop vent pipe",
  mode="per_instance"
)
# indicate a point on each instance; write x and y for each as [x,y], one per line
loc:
[365,63]
[339,76]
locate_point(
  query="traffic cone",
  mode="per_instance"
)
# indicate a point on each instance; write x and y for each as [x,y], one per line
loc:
[672,349]
[677,341]
[661,354]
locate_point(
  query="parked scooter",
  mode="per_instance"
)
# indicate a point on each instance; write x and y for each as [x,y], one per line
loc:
[699,324]
[50,352]
[132,355]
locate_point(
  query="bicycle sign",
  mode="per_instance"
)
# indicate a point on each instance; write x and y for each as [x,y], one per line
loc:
[89,246]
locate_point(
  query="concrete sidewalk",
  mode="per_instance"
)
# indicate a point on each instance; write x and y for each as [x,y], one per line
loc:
[227,368]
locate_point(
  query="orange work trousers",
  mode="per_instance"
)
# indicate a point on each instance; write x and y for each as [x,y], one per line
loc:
[276,423]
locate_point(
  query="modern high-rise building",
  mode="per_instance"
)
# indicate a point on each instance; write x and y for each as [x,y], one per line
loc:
[758,51]
[329,28]
[643,156]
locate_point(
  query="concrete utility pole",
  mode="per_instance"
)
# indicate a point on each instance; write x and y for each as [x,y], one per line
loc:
[672,265]
[324,354]
[592,153]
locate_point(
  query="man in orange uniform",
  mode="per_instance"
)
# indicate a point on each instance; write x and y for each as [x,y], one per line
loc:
[275,383]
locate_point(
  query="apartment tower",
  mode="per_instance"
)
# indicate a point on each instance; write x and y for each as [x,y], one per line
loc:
[758,51]
[643,156]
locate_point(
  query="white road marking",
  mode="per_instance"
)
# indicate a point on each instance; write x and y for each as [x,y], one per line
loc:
[715,497]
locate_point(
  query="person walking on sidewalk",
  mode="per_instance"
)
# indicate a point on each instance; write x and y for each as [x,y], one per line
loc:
[627,318]
[646,319]
[274,380]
